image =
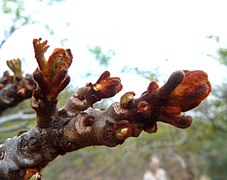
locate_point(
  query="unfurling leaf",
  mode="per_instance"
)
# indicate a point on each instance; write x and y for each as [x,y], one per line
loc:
[40,48]
[187,94]
[183,91]
[52,75]
[15,66]
[194,88]
[59,60]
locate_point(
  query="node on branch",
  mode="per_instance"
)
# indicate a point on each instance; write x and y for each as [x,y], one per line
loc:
[77,124]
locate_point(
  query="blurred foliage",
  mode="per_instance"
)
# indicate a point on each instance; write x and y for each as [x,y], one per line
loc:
[150,75]
[214,146]
[185,154]
[215,38]
[25,106]
[223,55]
[19,16]
[103,58]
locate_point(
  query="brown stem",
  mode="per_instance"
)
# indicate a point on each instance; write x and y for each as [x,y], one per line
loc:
[33,150]
[12,93]
[78,125]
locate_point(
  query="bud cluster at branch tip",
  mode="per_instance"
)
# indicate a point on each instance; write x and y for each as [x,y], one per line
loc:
[15,66]
[52,75]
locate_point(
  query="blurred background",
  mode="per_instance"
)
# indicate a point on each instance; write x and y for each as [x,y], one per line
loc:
[139,41]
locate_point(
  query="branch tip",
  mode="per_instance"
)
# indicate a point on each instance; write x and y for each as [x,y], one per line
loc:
[52,75]
[15,66]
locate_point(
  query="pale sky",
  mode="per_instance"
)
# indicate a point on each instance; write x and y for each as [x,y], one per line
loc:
[168,34]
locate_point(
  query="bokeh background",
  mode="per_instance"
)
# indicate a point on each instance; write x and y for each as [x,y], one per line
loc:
[139,41]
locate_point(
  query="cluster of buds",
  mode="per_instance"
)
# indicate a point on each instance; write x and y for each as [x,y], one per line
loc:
[51,76]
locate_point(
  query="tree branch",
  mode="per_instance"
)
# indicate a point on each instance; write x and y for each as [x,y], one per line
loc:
[78,125]
[14,89]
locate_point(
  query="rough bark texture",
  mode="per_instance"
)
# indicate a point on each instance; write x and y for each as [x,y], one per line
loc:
[13,90]
[78,125]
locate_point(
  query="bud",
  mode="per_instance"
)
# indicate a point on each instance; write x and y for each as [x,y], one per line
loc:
[123,133]
[127,100]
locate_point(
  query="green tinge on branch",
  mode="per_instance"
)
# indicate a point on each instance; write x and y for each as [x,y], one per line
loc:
[127,100]
[15,66]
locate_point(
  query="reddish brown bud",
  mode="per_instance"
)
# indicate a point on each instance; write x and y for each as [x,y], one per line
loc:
[59,60]
[123,133]
[177,121]
[153,86]
[122,130]
[183,91]
[127,100]
[21,91]
[174,80]
[151,128]
[108,86]
[144,109]
[40,48]
[52,75]
[32,173]
[189,93]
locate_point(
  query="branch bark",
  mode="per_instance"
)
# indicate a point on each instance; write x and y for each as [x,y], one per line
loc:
[78,125]
[14,89]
